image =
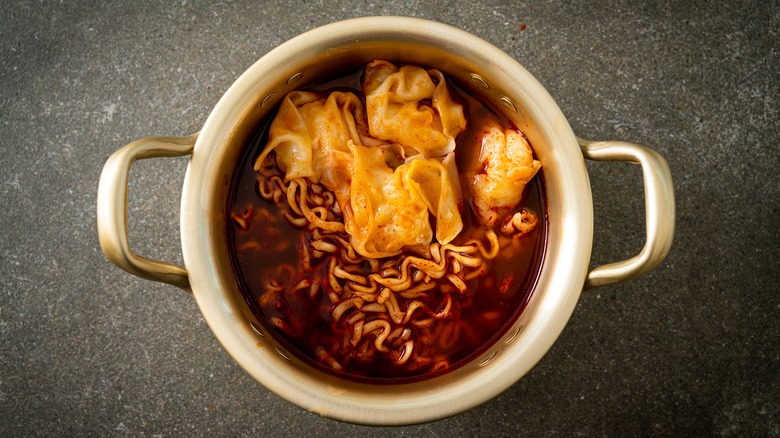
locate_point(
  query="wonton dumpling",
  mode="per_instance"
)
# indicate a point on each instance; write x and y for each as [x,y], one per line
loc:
[309,128]
[432,182]
[396,113]
[383,217]
[290,137]
[453,121]
[388,209]
[335,122]
[509,166]
[310,135]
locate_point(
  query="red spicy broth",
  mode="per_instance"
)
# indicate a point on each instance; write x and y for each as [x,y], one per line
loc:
[291,298]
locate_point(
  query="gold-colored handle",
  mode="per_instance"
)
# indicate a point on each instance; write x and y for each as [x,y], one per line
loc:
[112,208]
[659,209]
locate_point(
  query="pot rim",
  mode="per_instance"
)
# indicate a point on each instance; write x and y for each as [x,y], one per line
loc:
[570,232]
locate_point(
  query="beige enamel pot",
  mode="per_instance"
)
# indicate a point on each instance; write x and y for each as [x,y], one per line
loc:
[474,63]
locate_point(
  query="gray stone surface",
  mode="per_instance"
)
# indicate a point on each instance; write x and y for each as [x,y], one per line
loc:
[692,348]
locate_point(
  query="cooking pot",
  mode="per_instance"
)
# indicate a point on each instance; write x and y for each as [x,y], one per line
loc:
[488,73]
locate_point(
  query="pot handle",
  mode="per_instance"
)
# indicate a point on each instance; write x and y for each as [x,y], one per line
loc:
[659,209]
[112,208]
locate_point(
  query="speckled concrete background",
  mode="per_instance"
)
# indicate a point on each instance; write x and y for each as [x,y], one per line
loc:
[693,348]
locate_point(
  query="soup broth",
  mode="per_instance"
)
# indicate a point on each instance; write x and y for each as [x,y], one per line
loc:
[339,311]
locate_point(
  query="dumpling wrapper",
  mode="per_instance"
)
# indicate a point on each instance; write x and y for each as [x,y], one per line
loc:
[384,218]
[509,166]
[310,134]
[289,136]
[432,182]
[389,209]
[396,114]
